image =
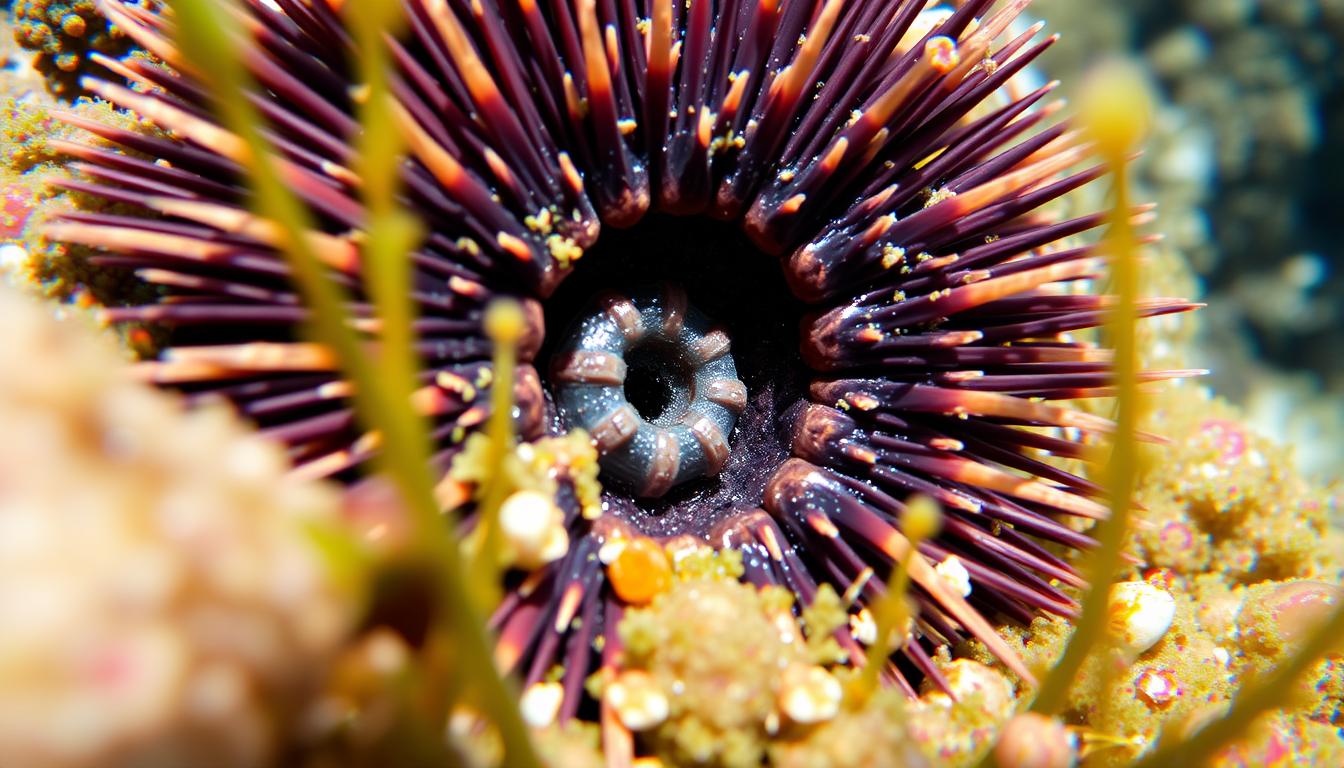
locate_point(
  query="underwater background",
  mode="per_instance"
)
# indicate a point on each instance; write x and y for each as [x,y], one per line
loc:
[1246,163]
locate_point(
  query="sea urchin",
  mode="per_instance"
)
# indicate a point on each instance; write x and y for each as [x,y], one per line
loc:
[887,317]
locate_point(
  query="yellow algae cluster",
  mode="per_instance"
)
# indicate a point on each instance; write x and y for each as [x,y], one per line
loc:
[530,477]
[539,466]
[958,729]
[572,745]
[728,676]
[719,699]
[872,736]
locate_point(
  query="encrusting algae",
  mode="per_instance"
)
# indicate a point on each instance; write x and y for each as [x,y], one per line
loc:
[1244,549]
[729,676]
[36,184]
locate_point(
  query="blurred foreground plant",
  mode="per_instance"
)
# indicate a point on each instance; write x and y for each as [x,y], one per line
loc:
[458,643]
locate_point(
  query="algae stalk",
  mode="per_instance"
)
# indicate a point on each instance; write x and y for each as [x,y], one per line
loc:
[205,32]
[391,232]
[1115,115]
[505,325]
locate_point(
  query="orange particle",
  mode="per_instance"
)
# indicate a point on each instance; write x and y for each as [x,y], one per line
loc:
[640,572]
[451,493]
[942,54]
[869,333]
[793,203]
[864,402]
[515,246]
[140,337]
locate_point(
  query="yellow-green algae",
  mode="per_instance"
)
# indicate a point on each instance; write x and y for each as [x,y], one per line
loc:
[719,650]
[719,700]
[1227,519]
[873,736]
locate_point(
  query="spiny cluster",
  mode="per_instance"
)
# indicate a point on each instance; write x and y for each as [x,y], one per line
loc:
[881,150]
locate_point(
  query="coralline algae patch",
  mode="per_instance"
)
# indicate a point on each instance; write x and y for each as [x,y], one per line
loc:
[32,190]
[1237,562]
[63,34]
[715,672]
[23,131]
[31,166]
[1223,499]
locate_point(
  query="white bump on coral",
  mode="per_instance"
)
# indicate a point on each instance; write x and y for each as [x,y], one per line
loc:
[637,700]
[955,575]
[809,694]
[1140,613]
[533,528]
[541,703]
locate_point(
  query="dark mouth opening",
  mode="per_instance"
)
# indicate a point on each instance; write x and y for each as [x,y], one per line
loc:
[741,290]
[658,383]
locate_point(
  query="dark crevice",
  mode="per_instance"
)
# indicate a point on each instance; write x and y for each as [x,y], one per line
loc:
[657,383]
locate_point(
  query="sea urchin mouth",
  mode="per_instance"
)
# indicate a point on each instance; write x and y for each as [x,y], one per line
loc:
[687,385]
[741,293]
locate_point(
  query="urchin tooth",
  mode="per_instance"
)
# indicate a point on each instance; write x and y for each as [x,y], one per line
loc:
[590,367]
[625,316]
[615,429]
[711,439]
[729,393]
